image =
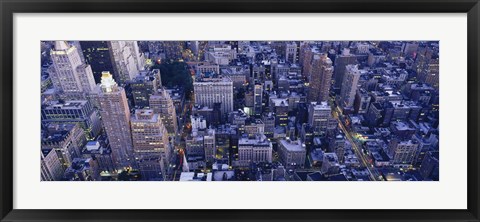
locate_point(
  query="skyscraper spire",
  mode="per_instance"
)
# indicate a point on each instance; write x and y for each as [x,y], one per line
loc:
[108,84]
[61,45]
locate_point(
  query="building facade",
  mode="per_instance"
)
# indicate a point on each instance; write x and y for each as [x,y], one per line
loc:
[162,103]
[126,59]
[320,78]
[70,75]
[214,90]
[115,115]
[150,144]
[320,118]
[254,149]
[349,87]
[292,153]
[73,111]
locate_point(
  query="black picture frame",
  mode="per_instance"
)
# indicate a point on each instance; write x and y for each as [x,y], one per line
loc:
[9,7]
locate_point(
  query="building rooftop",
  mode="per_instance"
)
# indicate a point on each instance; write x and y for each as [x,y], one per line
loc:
[258,139]
[192,176]
[320,106]
[69,104]
[293,146]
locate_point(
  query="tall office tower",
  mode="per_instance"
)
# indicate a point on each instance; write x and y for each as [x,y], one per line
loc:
[138,56]
[66,139]
[97,55]
[73,111]
[50,166]
[321,78]
[402,152]
[306,52]
[70,77]
[80,50]
[173,49]
[126,59]
[150,144]
[291,52]
[162,103]
[258,99]
[145,84]
[349,87]
[422,56]
[320,118]
[429,73]
[303,49]
[116,120]
[209,145]
[214,90]
[341,61]
[254,149]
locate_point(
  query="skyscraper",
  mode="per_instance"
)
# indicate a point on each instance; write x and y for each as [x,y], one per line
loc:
[305,59]
[97,55]
[70,76]
[429,73]
[341,61]
[291,52]
[150,144]
[349,87]
[214,90]
[257,99]
[126,59]
[116,120]
[142,86]
[162,103]
[320,118]
[321,77]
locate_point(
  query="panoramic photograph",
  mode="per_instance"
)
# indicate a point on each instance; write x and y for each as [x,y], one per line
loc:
[289,111]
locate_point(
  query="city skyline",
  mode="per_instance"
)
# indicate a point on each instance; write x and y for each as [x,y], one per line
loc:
[240,111]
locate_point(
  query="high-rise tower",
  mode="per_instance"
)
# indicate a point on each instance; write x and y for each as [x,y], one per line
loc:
[126,59]
[349,86]
[321,78]
[150,144]
[70,75]
[116,120]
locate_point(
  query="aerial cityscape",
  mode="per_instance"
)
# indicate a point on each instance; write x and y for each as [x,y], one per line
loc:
[239,111]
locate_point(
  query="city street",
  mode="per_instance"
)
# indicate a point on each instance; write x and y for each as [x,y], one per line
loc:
[374,175]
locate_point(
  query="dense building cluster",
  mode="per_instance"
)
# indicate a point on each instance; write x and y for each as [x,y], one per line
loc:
[246,111]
